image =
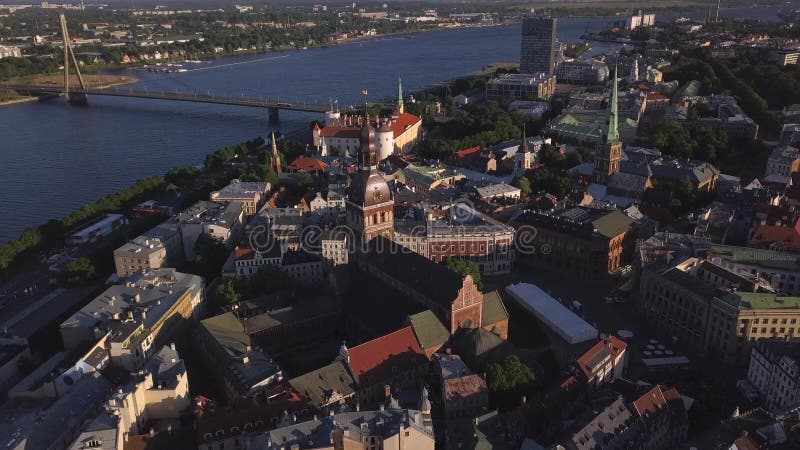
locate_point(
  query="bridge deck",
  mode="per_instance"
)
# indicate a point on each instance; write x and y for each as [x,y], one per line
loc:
[175,96]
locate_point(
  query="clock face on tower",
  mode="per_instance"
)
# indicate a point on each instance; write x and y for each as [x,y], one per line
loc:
[377,196]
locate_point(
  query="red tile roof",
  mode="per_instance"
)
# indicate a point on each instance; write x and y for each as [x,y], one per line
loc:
[765,235]
[307,164]
[467,152]
[617,346]
[244,253]
[653,96]
[383,357]
[403,123]
[351,129]
[651,402]
[341,132]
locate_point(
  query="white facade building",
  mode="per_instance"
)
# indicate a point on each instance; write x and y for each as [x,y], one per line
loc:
[775,372]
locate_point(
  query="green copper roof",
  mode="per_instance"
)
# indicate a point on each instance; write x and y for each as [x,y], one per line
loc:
[612,135]
[429,329]
[758,300]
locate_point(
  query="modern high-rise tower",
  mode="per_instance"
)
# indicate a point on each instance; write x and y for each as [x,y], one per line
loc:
[538,53]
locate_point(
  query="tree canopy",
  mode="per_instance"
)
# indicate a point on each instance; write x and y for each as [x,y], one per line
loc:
[465,267]
[508,380]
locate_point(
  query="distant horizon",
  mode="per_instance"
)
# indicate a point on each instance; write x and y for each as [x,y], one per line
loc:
[286,3]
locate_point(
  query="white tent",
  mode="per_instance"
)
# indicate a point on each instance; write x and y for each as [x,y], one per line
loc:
[558,317]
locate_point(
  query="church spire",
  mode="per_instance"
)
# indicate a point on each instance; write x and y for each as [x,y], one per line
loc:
[276,159]
[524,145]
[400,106]
[612,129]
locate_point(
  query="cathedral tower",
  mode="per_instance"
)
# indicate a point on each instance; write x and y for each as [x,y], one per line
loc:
[370,206]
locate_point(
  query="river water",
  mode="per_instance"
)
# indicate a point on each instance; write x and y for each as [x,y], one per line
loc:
[55,158]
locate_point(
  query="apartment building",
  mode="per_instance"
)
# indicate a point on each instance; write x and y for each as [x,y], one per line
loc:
[146,311]
[237,365]
[251,194]
[780,269]
[220,220]
[161,246]
[783,161]
[716,320]
[521,86]
[365,430]
[159,392]
[775,372]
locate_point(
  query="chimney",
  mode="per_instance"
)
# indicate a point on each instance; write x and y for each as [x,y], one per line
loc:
[245,359]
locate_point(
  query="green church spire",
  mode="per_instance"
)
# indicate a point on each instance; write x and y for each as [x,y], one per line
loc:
[612,131]
[400,107]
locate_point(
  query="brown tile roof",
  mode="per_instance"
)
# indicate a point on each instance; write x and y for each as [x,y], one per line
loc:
[381,358]
[307,164]
[651,402]
[464,386]
[747,443]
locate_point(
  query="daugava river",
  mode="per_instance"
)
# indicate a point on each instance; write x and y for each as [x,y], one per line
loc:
[55,158]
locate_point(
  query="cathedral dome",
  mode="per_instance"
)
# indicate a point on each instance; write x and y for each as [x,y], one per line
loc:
[369,189]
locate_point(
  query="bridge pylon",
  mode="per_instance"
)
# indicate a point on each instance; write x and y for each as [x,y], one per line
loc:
[74,98]
[274,115]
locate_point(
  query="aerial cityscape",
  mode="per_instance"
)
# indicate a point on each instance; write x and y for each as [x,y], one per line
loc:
[408,224]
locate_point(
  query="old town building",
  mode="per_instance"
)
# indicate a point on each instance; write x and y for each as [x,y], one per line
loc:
[585,242]
[460,232]
[714,320]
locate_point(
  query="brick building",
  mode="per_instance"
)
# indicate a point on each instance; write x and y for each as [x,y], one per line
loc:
[586,242]
[454,299]
[460,232]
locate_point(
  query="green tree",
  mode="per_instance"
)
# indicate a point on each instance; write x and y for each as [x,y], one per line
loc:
[267,280]
[465,267]
[547,180]
[80,272]
[304,181]
[672,139]
[228,291]
[210,255]
[508,380]
[524,186]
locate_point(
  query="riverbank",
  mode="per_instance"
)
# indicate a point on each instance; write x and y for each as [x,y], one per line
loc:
[96,81]
[99,81]
[18,100]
